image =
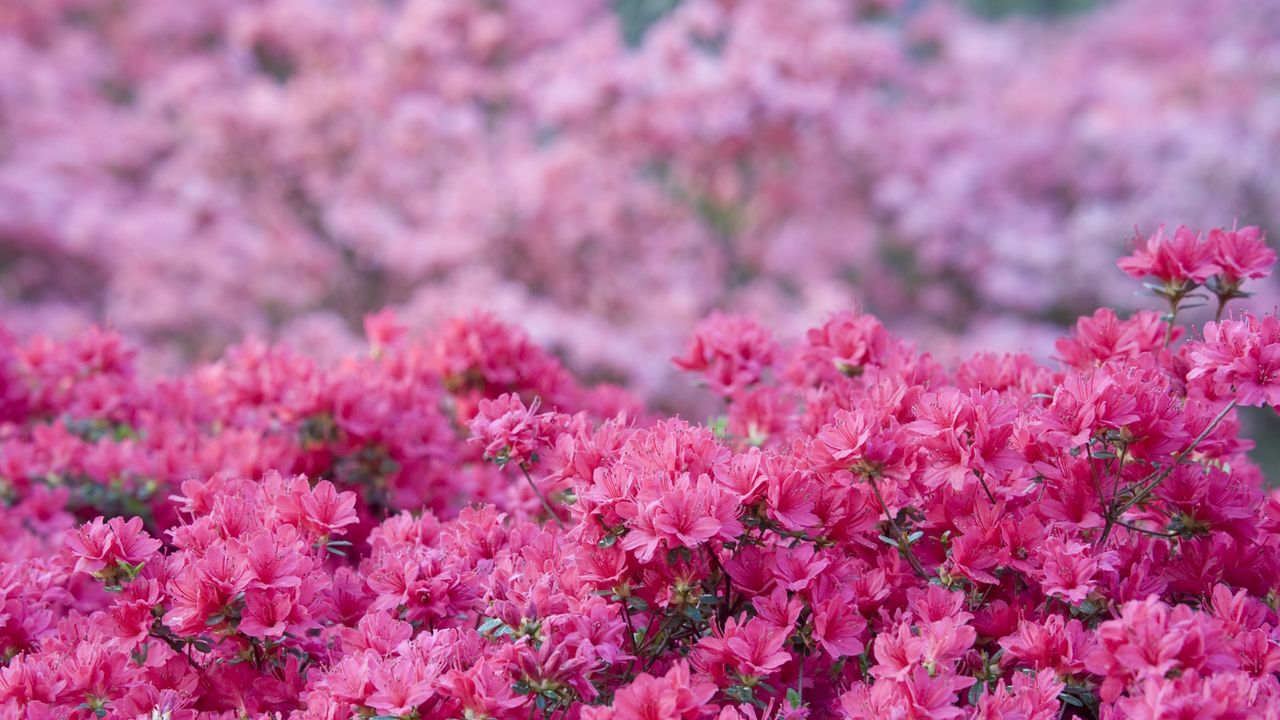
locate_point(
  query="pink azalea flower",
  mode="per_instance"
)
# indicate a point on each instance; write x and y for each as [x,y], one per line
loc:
[266,613]
[1241,360]
[1070,569]
[1241,254]
[756,648]
[325,511]
[100,548]
[838,628]
[1178,260]
[401,685]
[729,352]
[674,696]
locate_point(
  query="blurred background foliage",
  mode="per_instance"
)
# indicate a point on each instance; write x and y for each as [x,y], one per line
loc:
[1034,8]
[637,16]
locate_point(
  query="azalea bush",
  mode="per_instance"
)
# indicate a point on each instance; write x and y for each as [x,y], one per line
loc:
[191,173]
[450,525]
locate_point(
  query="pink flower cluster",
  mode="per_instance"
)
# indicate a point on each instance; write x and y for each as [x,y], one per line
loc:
[1187,260]
[452,526]
[199,172]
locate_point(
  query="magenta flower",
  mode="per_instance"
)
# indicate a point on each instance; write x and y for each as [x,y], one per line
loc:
[1070,569]
[111,549]
[325,511]
[266,613]
[1184,259]
[674,696]
[838,628]
[1240,254]
[401,685]
[756,648]
[1056,644]
[1240,359]
[510,432]
[729,353]
[678,513]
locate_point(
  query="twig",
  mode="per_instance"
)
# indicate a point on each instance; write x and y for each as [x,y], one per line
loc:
[1174,302]
[1182,454]
[722,612]
[1155,533]
[1108,506]
[983,481]
[800,684]
[631,635]
[904,545]
[1159,477]
[546,505]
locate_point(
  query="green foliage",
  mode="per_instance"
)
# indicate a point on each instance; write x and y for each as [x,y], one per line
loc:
[637,16]
[1034,8]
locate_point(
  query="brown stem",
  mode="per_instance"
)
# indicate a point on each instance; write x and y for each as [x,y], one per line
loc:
[631,629]
[1155,533]
[631,635]
[904,545]
[1168,470]
[722,612]
[1173,318]
[1108,507]
[983,481]
[1180,456]
[546,505]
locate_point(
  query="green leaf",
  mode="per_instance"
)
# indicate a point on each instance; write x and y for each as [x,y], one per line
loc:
[130,571]
[975,692]
[793,698]
[637,16]
[1071,699]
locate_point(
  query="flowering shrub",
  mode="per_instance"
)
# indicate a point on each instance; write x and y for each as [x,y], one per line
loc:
[453,527]
[195,172]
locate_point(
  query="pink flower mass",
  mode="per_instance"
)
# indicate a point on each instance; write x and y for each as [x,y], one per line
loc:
[525,360]
[454,526]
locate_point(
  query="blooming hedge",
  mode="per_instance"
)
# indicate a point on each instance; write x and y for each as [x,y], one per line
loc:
[451,526]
